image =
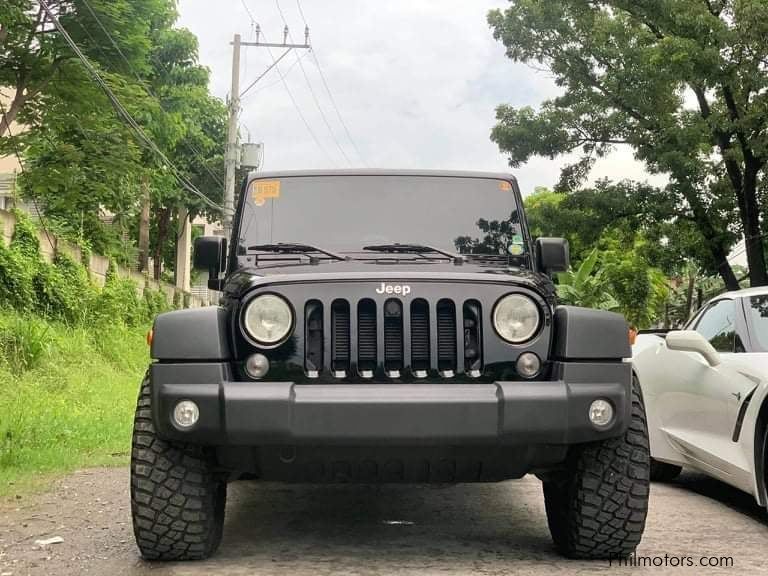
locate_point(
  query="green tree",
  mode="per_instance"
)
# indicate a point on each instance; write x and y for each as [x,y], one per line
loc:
[624,210]
[83,163]
[586,286]
[640,289]
[197,123]
[33,55]
[682,82]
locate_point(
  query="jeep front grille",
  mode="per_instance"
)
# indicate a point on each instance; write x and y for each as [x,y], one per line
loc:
[446,337]
[366,337]
[340,350]
[420,336]
[393,338]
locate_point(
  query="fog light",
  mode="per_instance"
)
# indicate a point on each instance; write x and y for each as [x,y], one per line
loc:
[185,414]
[528,365]
[601,413]
[256,366]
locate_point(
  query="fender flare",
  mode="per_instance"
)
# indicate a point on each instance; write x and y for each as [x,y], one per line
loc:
[191,335]
[586,334]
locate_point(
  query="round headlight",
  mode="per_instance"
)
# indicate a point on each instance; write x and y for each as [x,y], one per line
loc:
[516,318]
[268,319]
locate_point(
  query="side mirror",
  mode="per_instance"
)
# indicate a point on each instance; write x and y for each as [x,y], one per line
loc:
[211,255]
[692,341]
[553,254]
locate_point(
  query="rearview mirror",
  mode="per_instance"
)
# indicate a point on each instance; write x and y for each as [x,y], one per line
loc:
[553,254]
[211,255]
[692,341]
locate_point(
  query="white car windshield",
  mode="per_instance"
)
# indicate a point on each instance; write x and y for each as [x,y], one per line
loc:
[758,312]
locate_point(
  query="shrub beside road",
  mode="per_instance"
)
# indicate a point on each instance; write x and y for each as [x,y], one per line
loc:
[67,396]
[72,355]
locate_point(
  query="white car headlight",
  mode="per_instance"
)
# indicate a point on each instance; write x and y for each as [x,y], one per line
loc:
[268,319]
[516,318]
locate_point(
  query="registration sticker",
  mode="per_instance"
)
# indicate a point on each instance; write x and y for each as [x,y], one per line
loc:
[263,189]
[505,186]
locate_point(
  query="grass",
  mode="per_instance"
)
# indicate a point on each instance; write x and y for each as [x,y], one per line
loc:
[67,397]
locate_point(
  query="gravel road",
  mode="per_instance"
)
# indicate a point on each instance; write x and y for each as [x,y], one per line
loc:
[317,530]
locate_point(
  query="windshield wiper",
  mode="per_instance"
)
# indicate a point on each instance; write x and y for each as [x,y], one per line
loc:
[415,249]
[295,248]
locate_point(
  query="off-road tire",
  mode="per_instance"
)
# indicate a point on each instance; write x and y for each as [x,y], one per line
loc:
[596,509]
[177,499]
[663,472]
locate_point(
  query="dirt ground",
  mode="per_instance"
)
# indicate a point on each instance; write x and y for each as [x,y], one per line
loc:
[489,529]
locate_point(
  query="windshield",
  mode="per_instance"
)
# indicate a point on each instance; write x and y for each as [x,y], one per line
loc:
[349,213]
[758,313]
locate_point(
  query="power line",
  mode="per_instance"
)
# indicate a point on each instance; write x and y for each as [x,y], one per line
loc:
[17,153]
[312,90]
[247,9]
[298,110]
[290,94]
[260,76]
[276,82]
[120,109]
[195,151]
[330,94]
[747,242]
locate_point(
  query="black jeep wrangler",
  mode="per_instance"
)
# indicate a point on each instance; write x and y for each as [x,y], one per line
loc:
[387,326]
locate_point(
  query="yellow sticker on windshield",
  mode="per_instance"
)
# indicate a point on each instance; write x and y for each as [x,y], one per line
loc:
[505,186]
[263,189]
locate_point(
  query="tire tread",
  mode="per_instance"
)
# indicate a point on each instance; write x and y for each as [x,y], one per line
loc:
[177,499]
[597,509]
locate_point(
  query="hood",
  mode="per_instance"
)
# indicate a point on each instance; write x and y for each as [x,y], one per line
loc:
[245,279]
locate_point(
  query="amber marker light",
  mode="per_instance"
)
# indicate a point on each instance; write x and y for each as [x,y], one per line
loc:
[632,335]
[150,337]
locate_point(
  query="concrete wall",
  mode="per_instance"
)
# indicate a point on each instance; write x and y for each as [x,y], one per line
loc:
[97,266]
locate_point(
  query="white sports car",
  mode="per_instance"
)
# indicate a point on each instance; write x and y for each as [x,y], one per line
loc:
[706,392]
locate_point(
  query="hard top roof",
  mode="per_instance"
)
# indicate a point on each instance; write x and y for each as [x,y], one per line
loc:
[382,172]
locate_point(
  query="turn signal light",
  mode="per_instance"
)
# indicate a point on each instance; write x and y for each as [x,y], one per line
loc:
[150,336]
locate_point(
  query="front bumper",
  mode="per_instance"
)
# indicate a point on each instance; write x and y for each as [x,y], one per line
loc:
[239,413]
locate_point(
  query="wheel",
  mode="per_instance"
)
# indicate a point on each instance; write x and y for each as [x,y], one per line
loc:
[177,499]
[596,509]
[663,472]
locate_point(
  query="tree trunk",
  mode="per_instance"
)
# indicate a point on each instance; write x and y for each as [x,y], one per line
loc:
[183,250]
[724,269]
[753,241]
[743,180]
[689,292]
[12,111]
[144,225]
[713,239]
[163,226]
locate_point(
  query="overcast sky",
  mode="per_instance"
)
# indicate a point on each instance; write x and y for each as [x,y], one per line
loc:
[416,81]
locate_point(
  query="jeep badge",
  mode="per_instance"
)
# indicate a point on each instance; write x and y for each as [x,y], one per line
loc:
[385,288]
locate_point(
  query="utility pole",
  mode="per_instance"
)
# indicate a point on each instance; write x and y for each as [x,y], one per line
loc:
[144,225]
[232,152]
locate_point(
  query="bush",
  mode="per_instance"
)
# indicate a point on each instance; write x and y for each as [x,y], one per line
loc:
[24,342]
[64,291]
[156,302]
[72,406]
[119,300]
[16,280]
[25,240]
